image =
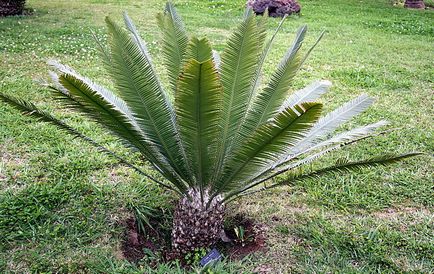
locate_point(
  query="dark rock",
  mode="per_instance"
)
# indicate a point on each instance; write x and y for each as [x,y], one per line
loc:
[276,8]
[414,4]
[11,7]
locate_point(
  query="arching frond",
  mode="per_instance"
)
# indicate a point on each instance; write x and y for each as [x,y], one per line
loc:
[198,106]
[288,163]
[339,139]
[307,94]
[31,110]
[139,86]
[344,166]
[79,93]
[268,143]
[174,42]
[273,95]
[340,168]
[238,65]
[108,110]
[333,120]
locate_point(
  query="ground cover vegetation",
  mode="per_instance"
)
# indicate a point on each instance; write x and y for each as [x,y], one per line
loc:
[361,217]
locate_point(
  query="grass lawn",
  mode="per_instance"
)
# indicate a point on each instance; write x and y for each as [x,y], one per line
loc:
[62,202]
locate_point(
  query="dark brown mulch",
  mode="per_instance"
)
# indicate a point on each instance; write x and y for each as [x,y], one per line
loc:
[135,244]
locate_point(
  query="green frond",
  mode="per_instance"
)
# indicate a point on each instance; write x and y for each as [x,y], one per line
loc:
[79,93]
[238,66]
[344,166]
[258,73]
[174,42]
[199,50]
[341,167]
[102,50]
[139,87]
[338,141]
[308,94]
[262,22]
[136,37]
[108,110]
[333,120]
[85,92]
[248,12]
[312,47]
[198,106]
[31,110]
[292,161]
[349,136]
[244,126]
[268,143]
[271,98]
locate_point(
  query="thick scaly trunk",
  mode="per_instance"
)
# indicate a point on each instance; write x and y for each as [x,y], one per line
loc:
[194,225]
[414,4]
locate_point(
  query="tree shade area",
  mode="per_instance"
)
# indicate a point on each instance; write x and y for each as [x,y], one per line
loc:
[59,194]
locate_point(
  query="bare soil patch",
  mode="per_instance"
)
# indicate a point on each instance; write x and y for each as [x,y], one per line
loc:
[154,243]
[254,238]
[393,213]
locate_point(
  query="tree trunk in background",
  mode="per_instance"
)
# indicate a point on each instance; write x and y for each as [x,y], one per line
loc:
[414,4]
[11,7]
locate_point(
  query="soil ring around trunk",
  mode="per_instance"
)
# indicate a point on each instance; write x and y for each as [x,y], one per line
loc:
[153,246]
[253,239]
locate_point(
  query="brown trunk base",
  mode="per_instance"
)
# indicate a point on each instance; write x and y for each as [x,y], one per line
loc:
[195,226]
[156,242]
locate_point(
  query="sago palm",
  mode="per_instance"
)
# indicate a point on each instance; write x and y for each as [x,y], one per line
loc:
[213,131]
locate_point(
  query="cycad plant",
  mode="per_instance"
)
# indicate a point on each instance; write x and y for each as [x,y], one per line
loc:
[214,131]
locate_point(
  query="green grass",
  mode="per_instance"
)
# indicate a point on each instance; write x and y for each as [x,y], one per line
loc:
[62,203]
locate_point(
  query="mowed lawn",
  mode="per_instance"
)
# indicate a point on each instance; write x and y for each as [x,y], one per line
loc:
[62,203]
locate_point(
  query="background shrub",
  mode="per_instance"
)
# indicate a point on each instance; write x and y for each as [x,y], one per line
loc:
[11,7]
[275,7]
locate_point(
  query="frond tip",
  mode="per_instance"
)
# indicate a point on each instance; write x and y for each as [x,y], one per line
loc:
[342,166]
[346,166]
[30,109]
